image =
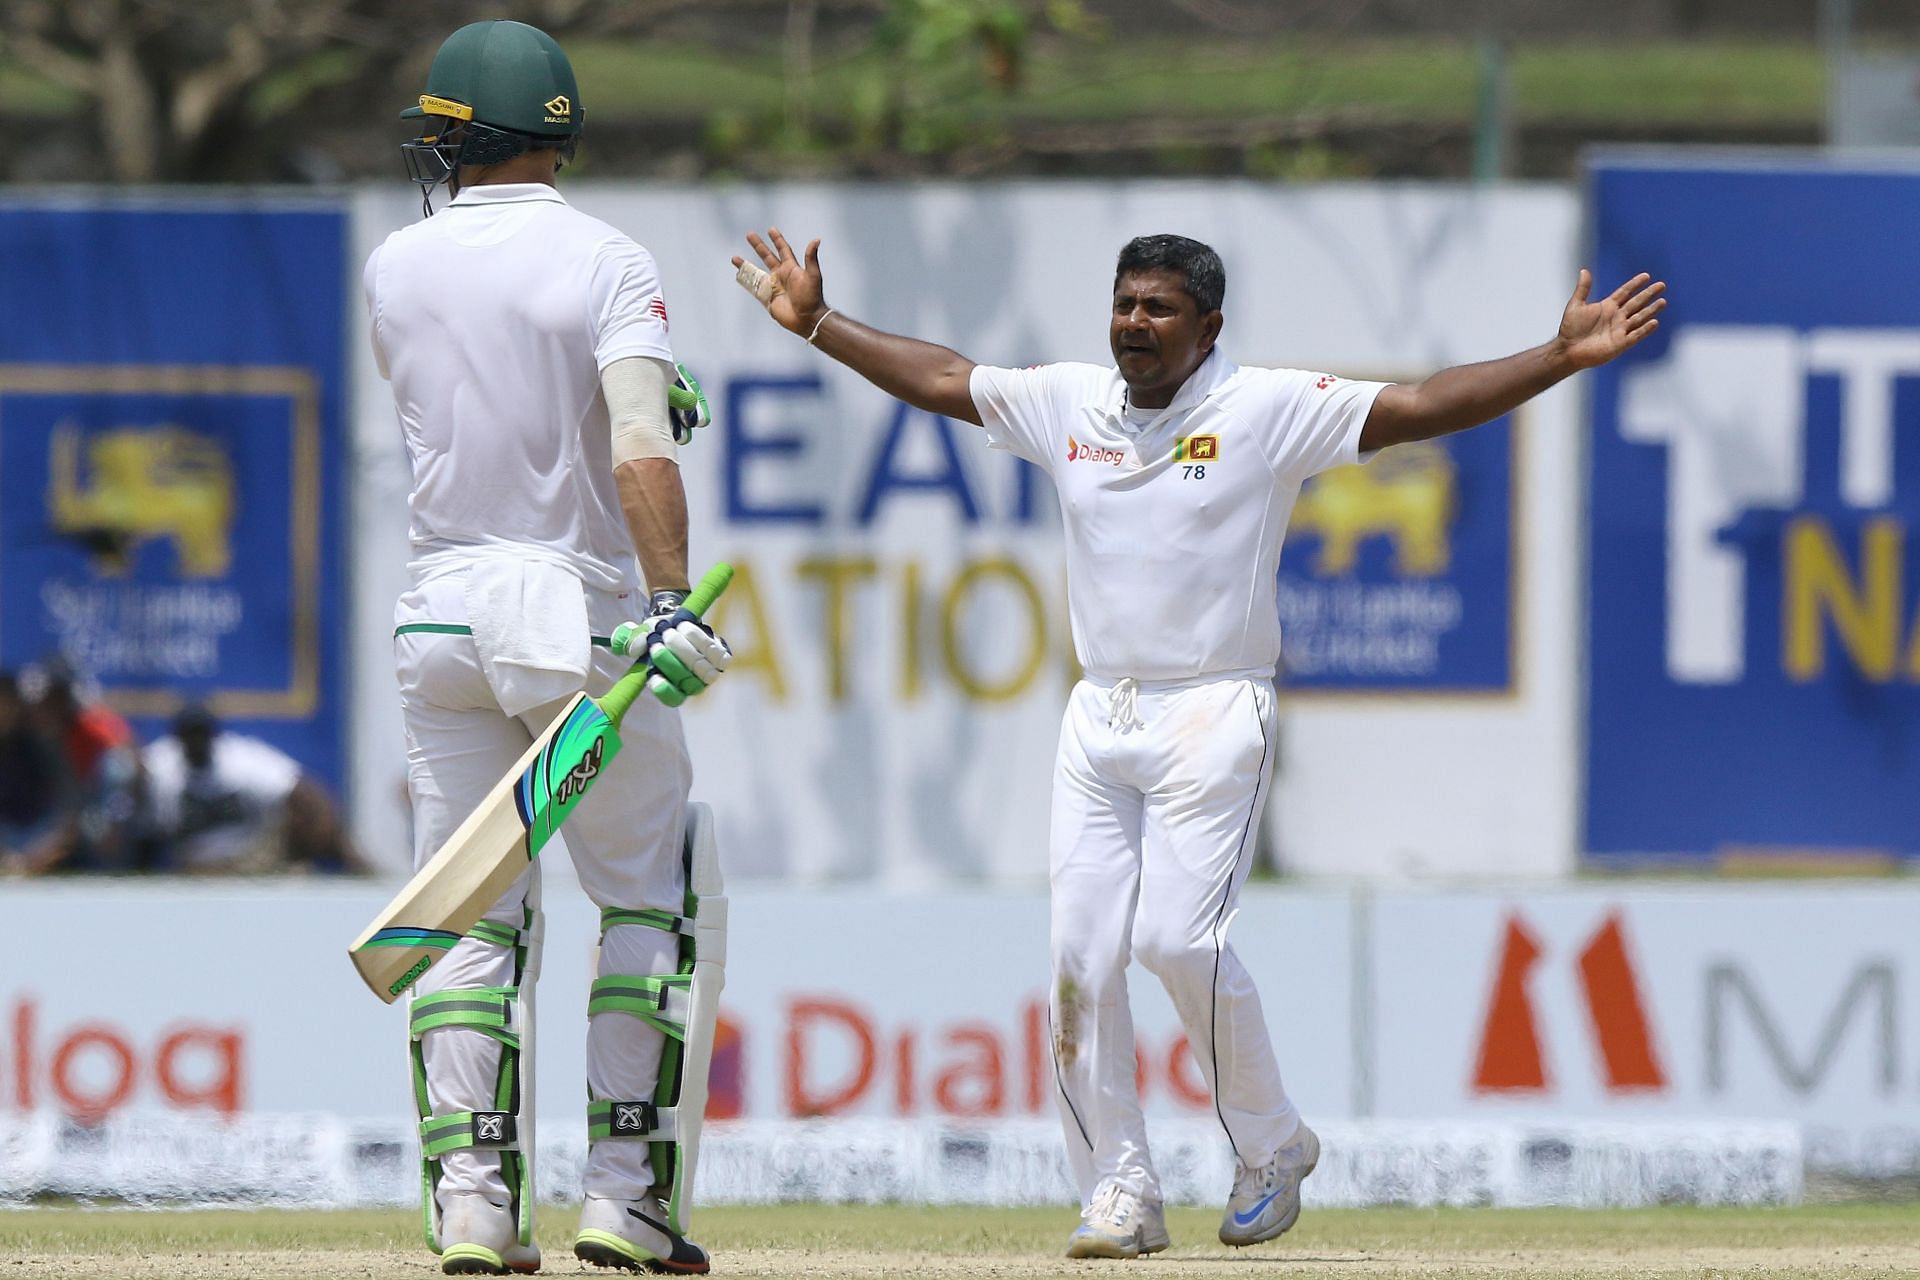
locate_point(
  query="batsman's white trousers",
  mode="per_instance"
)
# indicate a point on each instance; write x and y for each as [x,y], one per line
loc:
[625,841]
[1157,792]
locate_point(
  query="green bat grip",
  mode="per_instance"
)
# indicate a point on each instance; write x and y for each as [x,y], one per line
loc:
[628,687]
[708,589]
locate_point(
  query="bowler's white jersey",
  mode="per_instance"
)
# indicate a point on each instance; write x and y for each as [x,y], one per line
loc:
[493,319]
[1174,528]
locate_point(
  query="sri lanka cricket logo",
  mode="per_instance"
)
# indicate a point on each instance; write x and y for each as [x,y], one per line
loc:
[1407,497]
[143,484]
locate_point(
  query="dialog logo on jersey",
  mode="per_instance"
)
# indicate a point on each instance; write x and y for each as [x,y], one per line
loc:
[1077,452]
[1511,1061]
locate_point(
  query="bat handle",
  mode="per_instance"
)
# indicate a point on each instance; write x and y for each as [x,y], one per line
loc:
[630,686]
[708,589]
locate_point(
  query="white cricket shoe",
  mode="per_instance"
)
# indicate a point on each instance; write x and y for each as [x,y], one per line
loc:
[1266,1201]
[633,1235]
[480,1238]
[1117,1223]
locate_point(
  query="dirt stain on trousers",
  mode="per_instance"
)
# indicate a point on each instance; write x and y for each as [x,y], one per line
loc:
[1066,1020]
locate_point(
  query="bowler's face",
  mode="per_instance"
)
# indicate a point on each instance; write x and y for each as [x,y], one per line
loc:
[1158,335]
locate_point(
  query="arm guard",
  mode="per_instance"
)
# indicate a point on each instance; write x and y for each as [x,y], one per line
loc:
[636,393]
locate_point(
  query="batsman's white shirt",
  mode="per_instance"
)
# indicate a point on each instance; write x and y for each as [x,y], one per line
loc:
[519,391]
[1173,530]
[1173,523]
[493,320]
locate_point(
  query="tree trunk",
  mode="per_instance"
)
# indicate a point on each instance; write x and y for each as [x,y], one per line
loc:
[130,114]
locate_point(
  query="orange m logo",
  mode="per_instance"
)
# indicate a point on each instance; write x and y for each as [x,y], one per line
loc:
[1510,1060]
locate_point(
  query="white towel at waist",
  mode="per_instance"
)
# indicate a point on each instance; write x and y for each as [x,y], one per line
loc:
[529,619]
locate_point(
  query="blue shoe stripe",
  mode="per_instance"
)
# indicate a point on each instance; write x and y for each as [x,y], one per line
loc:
[1247,1219]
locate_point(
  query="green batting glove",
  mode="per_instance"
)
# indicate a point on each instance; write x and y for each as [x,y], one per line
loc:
[685,654]
[687,407]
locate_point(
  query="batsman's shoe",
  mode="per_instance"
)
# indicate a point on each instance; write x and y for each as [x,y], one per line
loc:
[1266,1199]
[480,1238]
[633,1235]
[1118,1224]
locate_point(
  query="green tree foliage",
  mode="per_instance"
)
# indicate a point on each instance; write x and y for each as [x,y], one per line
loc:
[941,53]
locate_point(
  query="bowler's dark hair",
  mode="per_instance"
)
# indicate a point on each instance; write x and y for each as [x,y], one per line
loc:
[1202,273]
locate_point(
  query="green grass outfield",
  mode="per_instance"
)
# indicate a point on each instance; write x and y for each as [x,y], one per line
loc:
[1102,80]
[1431,80]
[886,1241]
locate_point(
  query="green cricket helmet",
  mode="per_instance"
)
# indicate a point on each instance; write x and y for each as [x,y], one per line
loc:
[495,90]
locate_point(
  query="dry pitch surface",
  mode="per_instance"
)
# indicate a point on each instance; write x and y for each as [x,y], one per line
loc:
[867,1242]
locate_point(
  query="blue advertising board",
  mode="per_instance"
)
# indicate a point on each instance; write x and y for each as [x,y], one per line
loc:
[171,446]
[1398,576]
[1755,493]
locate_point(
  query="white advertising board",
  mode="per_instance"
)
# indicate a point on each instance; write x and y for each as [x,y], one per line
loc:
[1798,1003]
[899,618]
[222,999]
[1587,1046]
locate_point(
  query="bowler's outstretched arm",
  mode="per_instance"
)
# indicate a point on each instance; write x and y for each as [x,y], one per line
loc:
[924,374]
[1591,333]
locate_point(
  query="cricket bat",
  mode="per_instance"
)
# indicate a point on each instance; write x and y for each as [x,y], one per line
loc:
[481,860]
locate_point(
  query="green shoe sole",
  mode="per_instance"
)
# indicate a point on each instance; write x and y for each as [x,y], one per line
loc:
[605,1249]
[472,1260]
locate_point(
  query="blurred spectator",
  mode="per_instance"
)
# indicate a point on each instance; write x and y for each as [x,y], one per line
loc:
[223,802]
[96,776]
[29,776]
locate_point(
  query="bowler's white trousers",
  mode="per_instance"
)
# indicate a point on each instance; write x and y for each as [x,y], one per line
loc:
[1157,792]
[625,841]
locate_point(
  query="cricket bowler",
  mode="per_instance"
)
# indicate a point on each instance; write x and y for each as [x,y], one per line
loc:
[1176,471]
[527,347]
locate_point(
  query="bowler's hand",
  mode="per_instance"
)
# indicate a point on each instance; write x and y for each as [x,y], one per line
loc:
[1592,333]
[797,297]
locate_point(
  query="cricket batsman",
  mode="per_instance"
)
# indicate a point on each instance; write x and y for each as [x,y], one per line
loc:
[1176,470]
[527,347]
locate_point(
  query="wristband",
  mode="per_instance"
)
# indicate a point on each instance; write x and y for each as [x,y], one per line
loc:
[816,324]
